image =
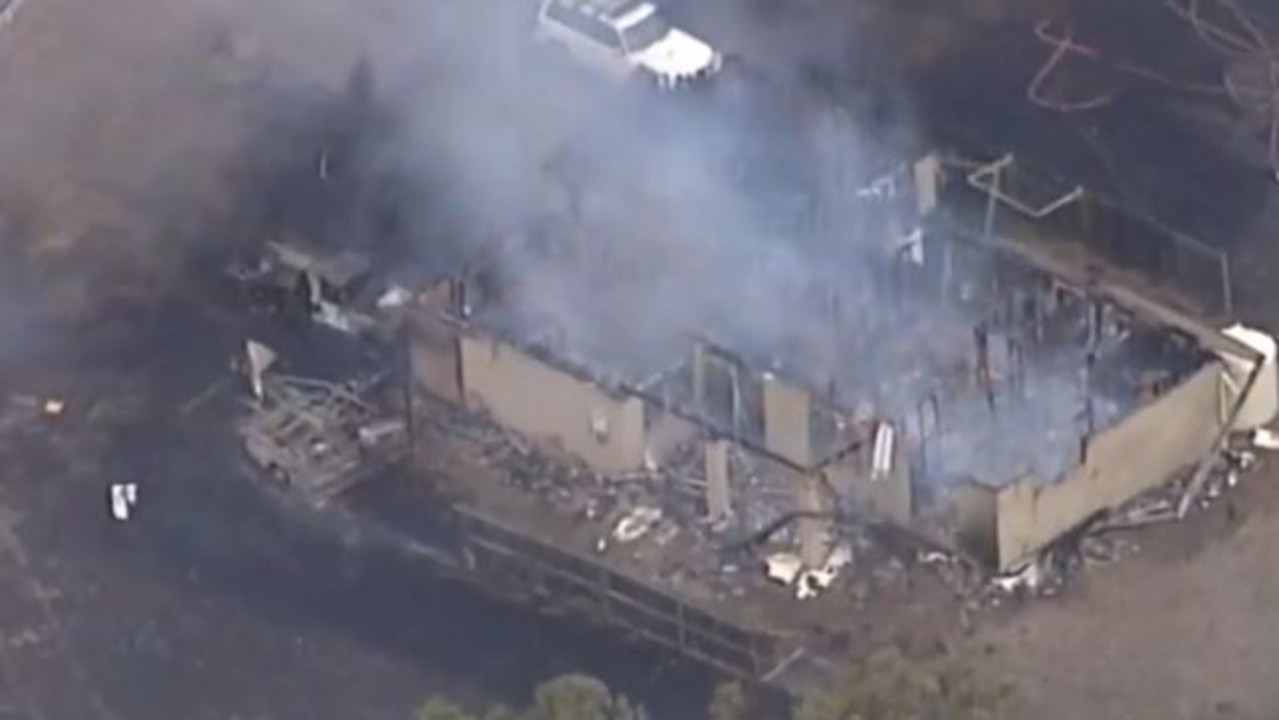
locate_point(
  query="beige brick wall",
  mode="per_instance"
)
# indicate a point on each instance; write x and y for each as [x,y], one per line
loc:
[1143,451]
[550,405]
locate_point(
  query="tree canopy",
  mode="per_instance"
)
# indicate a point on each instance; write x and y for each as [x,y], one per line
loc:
[887,686]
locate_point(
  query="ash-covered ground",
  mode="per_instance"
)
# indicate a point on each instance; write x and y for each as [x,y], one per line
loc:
[141,132]
[167,133]
[219,599]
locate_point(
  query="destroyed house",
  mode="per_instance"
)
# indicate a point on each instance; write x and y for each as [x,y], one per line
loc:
[629,496]
[1139,289]
[991,390]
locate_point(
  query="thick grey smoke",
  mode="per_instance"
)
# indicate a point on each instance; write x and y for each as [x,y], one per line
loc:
[622,224]
[691,213]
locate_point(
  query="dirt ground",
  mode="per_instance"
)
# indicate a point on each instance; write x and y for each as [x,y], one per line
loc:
[120,117]
[1185,629]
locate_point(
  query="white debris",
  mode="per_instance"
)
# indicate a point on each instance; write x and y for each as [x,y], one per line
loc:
[1265,438]
[375,433]
[786,568]
[599,426]
[882,454]
[934,557]
[808,586]
[910,246]
[1244,459]
[650,461]
[123,496]
[394,297]
[53,407]
[260,359]
[335,317]
[1029,577]
[783,567]
[813,581]
[636,524]
[841,556]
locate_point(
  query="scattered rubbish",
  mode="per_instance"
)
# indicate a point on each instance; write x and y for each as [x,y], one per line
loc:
[783,567]
[786,568]
[396,296]
[1144,510]
[1104,548]
[376,433]
[332,316]
[1242,459]
[934,557]
[636,524]
[1265,438]
[812,582]
[810,585]
[1028,578]
[123,497]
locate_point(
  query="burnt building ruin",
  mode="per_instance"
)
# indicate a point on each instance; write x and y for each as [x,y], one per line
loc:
[981,387]
[718,430]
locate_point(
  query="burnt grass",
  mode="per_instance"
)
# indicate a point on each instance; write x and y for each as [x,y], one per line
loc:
[220,598]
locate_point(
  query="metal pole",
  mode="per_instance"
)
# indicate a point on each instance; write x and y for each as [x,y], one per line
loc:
[1204,469]
[988,227]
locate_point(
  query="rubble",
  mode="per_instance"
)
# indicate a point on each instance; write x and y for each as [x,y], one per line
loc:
[379,432]
[317,437]
[1265,439]
[122,498]
[1028,578]
[813,581]
[636,524]
[1100,548]
[394,297]
[783,567]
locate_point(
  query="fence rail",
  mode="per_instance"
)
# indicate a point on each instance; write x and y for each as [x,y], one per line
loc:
[1178,266]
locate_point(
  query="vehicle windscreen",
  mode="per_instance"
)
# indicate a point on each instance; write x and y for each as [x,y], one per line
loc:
[646,32]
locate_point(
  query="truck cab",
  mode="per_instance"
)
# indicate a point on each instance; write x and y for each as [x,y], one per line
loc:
[620,38]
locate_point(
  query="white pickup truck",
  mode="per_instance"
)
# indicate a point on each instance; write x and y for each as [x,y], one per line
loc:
[623,37]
